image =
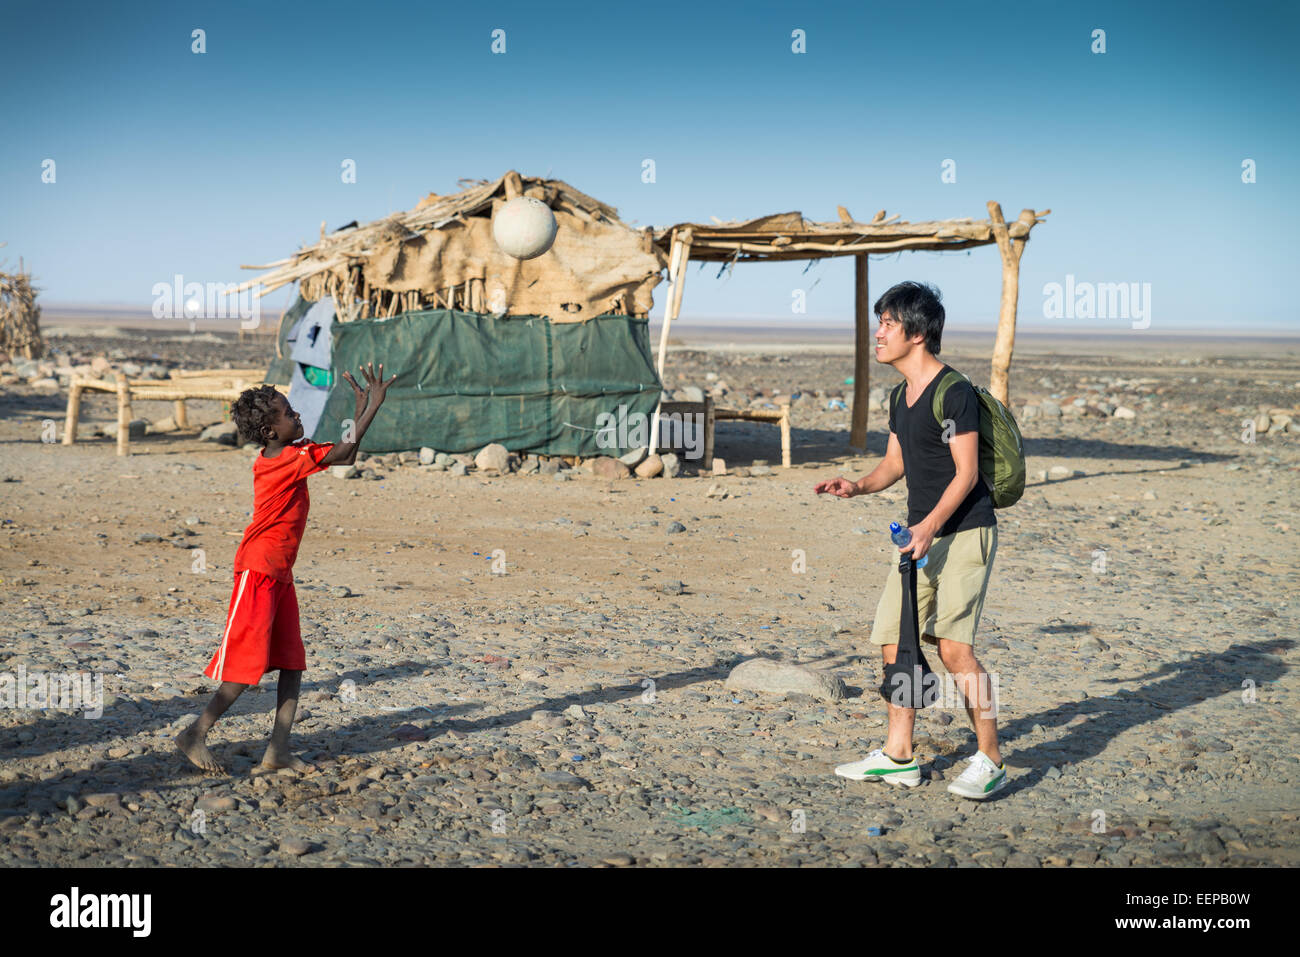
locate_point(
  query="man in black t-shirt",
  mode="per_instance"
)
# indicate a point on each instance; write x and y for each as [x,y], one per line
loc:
[950,516]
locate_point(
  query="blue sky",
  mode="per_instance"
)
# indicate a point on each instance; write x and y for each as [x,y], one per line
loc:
[170,162]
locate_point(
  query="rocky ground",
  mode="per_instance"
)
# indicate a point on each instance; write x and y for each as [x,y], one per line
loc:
[515,668]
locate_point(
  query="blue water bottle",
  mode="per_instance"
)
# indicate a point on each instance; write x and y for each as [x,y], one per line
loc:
[902,537]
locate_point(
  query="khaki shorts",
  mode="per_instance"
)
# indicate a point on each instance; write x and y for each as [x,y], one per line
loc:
[949,589]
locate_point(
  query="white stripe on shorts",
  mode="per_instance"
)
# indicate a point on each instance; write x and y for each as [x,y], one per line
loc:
[221,659]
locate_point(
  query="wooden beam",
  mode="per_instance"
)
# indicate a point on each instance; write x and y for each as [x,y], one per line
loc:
[861,353]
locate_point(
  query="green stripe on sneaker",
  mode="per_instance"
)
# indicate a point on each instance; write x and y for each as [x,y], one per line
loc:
[891,770]
[1001,775]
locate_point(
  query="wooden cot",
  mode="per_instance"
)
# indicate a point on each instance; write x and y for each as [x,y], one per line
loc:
[778,416]
[223,385]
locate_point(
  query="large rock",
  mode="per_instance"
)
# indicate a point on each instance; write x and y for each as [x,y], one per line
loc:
[692,393]
[774,677]
[227,433]
[492,458]
[651,467]
[672,465]
[1049,410]
[633,459]
[606,468]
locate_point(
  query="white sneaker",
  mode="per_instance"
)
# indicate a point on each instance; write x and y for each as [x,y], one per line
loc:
[981,779]
[878,766]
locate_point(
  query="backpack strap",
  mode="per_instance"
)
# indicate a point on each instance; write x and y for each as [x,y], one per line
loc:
[936,404]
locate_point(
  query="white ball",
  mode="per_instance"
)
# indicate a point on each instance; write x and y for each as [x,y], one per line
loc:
[524,227]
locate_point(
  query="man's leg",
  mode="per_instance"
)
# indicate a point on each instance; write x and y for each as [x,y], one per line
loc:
[977,689]
[898,744]
[193,740]
[286,707]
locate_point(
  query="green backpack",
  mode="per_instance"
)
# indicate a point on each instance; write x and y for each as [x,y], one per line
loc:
[1002,455]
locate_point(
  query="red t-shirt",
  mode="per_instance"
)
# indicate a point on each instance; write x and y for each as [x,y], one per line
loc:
[280,503]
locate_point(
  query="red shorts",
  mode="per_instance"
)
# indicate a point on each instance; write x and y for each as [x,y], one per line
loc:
[262,631]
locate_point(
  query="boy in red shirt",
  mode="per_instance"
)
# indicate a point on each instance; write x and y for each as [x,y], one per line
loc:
[262,632]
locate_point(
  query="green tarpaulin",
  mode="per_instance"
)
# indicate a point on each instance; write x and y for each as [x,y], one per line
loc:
[467,379]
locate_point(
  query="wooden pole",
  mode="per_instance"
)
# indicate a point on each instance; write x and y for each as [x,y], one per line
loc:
[74,411]
[1011,250]
[123,415]
[681,254]
[862,352]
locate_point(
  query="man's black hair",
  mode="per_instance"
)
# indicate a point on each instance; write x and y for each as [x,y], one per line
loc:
[916,305]
[252,411]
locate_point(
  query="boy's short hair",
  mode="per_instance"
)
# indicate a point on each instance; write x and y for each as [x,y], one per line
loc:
[252,411]
[917,306]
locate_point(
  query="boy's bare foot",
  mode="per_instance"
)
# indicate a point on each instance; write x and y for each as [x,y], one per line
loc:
[197,751]
[275,759]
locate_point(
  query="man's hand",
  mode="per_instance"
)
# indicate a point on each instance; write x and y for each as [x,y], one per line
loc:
[922,537]
[837,486]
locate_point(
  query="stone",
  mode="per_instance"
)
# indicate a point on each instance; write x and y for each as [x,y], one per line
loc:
[295,846]
[633,459]
[163,425]
[676,527]
[1124,412]
[427,456]
[774,677]
[692,393]
[672,588]
[492,458]
[458,469]
[564,780]
[344,471]
[605,467]
[441,458]
[672,465]
[1029,412]
[217,802]
[1049,410]
[650,467]
[226,433]
[719,466]
[340,591]
[1058,472]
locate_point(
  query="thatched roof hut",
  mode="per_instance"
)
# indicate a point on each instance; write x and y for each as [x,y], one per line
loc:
[441,255]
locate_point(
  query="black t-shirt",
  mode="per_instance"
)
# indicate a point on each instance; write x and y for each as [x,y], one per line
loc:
[927,460]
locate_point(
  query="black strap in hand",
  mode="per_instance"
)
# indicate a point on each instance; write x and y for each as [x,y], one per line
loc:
[909,682]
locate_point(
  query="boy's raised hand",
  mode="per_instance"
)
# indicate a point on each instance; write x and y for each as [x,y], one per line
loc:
[376,387]
[362,396]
